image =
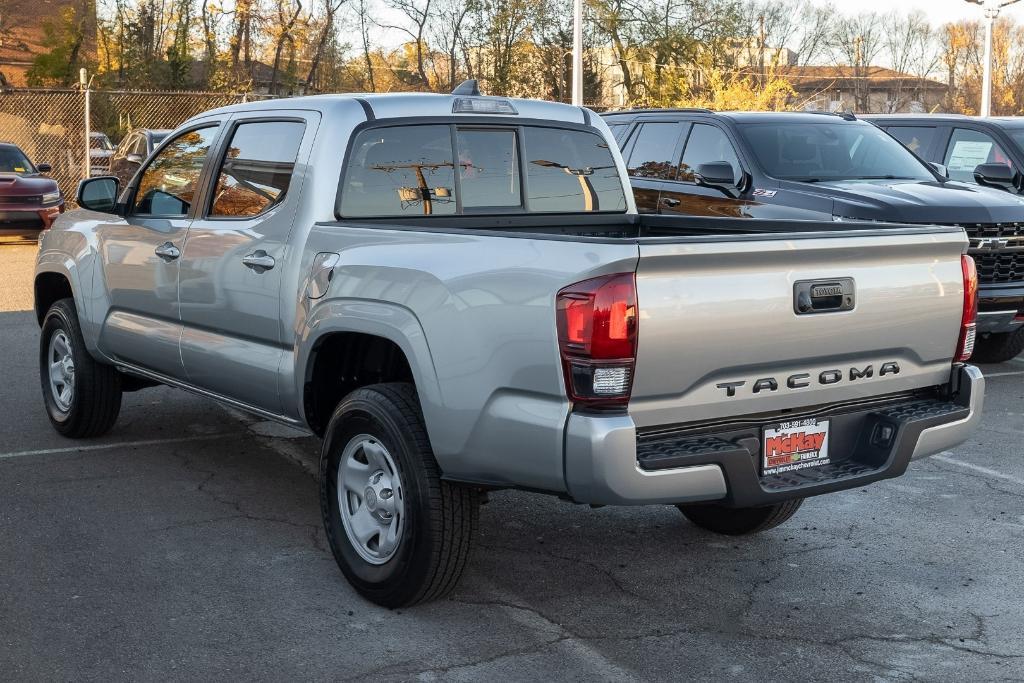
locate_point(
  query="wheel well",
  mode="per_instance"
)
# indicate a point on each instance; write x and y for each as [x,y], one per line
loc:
[343,362]
[49,289]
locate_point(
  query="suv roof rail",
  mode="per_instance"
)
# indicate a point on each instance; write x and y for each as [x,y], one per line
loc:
[467,87]
[844,115]
[658,110]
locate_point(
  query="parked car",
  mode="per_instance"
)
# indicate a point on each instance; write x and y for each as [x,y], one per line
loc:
[457,294]
[133,149]
[100,152]
[986,151]
[825,167]
[28,199]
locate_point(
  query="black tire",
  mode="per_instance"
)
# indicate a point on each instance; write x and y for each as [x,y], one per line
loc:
[740,521]
[440,518]
[96,397]
[998,348]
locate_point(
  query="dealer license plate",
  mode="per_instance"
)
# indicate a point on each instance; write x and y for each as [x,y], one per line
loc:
[795,445]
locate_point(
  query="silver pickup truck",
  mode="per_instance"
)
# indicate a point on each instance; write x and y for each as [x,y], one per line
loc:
[457,294]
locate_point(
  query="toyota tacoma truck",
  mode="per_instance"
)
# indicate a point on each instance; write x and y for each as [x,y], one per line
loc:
[457,294]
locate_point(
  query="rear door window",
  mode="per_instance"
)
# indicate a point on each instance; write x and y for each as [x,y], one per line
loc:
[917,139]
[653,152]
[257,168]
[969,149]
[411,171]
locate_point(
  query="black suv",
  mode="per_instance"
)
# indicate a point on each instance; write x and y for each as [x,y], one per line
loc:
[825,167]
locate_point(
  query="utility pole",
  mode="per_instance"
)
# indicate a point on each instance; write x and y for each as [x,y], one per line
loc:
[992,9]
[577,53]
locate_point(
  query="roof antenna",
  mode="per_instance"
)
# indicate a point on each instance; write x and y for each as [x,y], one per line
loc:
[467,88]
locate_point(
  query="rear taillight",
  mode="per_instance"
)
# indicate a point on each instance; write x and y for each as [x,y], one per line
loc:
[597,325]
[968,323]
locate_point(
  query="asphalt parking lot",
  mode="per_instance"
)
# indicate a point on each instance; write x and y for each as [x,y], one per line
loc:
[187,544]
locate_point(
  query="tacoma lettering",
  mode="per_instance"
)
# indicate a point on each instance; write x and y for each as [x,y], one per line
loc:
[802,380]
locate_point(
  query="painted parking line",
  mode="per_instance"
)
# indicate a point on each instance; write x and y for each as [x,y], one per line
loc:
[979,469]
[105,446]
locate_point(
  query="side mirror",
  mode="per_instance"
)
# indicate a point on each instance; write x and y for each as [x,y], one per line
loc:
[44,168]
[99,194]
[133,158]
[939,168]
[997,175]
[717,174]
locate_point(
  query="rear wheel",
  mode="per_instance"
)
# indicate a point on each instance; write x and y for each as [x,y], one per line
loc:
[999,348]
[740,521]
[398,532]
[82,396]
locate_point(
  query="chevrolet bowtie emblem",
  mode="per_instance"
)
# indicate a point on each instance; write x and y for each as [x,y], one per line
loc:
[992,244]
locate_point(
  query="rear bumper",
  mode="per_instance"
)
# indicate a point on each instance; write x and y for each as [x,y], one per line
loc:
[605,463]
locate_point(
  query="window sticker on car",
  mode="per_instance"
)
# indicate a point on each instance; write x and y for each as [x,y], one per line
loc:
[968,155]
[794,446]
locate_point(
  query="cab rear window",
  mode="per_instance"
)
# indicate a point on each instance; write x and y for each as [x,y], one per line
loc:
[423,170]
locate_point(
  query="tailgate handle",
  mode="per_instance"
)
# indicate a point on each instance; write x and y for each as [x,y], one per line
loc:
[824,296]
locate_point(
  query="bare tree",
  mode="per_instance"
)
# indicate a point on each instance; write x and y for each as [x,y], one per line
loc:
[418,12]
[331,8]
[285,28]
[856,41]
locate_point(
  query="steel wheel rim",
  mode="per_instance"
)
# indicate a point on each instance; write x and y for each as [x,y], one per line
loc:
[370,499]
[61,364]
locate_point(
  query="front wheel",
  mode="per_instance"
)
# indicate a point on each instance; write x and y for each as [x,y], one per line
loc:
[998,348]
[398,532]
[82,396]
[740,521]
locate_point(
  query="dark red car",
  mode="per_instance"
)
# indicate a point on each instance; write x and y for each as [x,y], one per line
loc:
[28,200]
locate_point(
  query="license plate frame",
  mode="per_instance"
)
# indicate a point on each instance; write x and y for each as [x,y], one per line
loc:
[794,445]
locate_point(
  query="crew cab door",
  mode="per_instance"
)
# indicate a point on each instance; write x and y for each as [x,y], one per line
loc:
[652,152]
[235,254]
[704,144]
[140,254]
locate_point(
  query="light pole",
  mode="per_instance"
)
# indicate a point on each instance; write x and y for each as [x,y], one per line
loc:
[577,53]
[85,81]
[992,9]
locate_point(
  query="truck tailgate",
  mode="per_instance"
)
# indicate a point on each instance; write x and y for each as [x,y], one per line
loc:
[720,334]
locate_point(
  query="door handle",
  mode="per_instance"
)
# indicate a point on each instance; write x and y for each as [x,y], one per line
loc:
[670,202]
[259,261]
[168,252]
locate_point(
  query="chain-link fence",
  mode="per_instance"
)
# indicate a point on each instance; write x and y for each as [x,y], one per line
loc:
[49,125]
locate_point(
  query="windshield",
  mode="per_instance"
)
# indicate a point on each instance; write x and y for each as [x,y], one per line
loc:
[100,142]
[818,152]
[13,160]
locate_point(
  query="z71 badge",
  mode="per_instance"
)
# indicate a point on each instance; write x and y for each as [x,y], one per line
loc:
[768,194]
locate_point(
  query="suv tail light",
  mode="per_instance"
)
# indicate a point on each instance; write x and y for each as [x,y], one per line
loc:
[968,324]
[597,326]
